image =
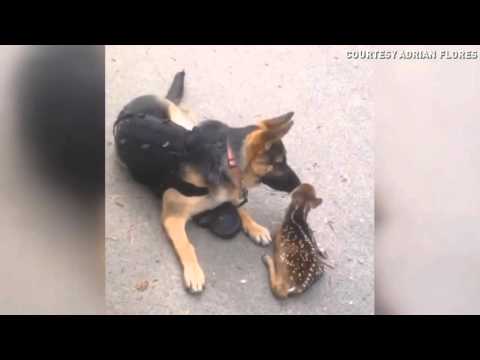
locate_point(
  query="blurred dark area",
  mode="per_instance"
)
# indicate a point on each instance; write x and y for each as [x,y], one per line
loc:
[61,112]
[52,253]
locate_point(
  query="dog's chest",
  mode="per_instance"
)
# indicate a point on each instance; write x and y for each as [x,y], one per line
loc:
[222,195]
[299,253]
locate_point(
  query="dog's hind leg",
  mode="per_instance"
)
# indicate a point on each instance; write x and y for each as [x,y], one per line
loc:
[175,93]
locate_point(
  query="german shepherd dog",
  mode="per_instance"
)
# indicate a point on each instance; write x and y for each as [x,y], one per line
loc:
[212,164]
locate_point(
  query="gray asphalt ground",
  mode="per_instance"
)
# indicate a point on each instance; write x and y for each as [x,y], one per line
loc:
[330,146]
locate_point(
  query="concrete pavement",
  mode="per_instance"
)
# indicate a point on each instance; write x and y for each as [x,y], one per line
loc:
[330,146]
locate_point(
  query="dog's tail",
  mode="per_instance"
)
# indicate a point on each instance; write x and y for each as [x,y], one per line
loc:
[175,93]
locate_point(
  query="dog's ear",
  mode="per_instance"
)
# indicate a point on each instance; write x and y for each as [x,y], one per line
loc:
[268,132]
[262,139]
[278,121]
[272,135]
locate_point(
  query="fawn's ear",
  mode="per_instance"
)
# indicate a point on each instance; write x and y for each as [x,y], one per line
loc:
[316,202]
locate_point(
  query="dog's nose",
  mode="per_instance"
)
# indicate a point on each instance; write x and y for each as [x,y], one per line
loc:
[286,182]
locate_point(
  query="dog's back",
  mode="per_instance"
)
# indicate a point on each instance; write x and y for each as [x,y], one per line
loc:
[150,138]
[147,142]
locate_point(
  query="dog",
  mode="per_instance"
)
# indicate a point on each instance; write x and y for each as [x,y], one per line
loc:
[203,167]
[297,262]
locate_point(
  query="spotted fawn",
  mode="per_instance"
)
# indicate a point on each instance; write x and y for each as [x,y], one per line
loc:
[297,261]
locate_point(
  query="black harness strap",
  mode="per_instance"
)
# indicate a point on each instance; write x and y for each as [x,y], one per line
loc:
[188,189]
[185,188]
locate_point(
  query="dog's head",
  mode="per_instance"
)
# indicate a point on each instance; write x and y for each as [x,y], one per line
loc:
[266,154]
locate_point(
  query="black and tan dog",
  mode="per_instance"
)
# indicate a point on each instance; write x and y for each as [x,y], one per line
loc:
[199,168]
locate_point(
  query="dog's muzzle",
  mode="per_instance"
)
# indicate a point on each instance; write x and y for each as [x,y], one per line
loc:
[285,180]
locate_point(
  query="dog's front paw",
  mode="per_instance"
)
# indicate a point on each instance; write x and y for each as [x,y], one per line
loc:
[259,234]
[194,278]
